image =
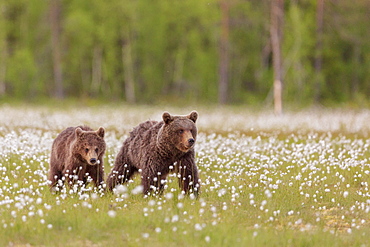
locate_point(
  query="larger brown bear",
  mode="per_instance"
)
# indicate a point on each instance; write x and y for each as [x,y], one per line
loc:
[156,149]
[77,157]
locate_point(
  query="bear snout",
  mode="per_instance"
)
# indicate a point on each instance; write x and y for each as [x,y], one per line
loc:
[191,142]
[93,160]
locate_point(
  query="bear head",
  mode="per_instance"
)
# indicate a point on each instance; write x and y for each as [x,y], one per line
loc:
[179,131]
[89,145]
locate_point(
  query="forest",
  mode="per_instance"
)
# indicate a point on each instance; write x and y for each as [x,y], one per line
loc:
[214,51]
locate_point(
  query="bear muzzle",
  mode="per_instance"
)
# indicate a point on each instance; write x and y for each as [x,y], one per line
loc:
[191,142]
[94,161]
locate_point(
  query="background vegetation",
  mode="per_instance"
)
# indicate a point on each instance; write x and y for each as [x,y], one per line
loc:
[145,51]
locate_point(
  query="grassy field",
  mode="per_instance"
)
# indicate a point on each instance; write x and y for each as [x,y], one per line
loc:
[296,180]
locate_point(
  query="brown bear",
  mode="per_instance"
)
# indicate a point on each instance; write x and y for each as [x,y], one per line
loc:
[155,149]
[77,157]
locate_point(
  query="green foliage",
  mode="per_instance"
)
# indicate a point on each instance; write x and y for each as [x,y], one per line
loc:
[22,69]
[298,46]
[174,50]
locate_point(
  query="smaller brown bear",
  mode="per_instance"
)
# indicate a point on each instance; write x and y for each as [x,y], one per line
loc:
[77,157]
[157,148]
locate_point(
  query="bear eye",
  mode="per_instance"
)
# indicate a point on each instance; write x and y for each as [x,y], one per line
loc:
[86,150]
[181,131]
[96,150]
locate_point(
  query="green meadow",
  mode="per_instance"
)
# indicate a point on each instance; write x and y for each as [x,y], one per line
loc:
[300,179]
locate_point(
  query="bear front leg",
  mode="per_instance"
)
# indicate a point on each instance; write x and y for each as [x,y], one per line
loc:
[75,173]
[112,180]
[120,174]
[188,175]
[56,172]
[54,177]
[95,174]
[152,182]
[122,171]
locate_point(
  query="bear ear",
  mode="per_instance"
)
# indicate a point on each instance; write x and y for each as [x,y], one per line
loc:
[167,118]
[101,132]
[193,116]
[78,131]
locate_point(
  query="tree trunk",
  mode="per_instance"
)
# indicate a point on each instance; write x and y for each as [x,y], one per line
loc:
[178,69]
[277,14]
[128,70]
[224,54]
[55,9]
[3,50]
[356,71]
[318,57]
[96,78]
[3,57]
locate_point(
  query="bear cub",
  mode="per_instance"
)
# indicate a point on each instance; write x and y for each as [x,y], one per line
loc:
[77,157]
[155,149]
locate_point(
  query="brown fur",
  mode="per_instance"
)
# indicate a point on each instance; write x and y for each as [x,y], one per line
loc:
[158,148]
[77,153]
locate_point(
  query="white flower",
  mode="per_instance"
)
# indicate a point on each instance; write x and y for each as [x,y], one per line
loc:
[198,227]
[38,200]
[40,212]
[120,189]
[94,196]
[175,218]
[268,193]
[221,192]
[137,190]
[208,239]
[112,213]
[345,194]
[169,196]
[151,203]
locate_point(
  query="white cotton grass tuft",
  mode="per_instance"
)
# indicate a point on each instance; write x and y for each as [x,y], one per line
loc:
[345,194]
[137,190]
[207,239]
[112,213]
[120,189]
[251,164]
[169,196]
[198,227]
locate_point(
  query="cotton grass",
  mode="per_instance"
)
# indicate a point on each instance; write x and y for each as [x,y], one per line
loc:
[280,179]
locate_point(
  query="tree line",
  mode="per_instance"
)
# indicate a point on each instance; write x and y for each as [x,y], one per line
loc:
[226,51]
